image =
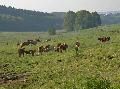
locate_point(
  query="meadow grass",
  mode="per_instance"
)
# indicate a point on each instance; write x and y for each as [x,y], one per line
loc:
[97,66]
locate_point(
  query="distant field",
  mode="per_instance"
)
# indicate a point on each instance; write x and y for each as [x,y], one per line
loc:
[96,67]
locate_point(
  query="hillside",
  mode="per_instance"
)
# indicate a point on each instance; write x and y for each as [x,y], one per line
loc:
[12,19]
[97,66]
[20,20]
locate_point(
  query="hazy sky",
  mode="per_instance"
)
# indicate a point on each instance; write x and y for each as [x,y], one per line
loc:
[64,5]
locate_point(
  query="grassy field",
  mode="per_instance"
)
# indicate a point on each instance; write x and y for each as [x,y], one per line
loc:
[96,67]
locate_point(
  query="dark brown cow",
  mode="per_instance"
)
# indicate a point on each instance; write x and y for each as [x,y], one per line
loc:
[21,52]
[104,39]
[34,42]
[47,48]
[24,44]
[60,47]
[41,49]
[63,47]
[32,52]
[28,42]
[57,48]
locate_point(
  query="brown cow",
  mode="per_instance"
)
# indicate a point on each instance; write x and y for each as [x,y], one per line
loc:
[21,51]
[28,42]
[32,52]
[34,42]
[47,48]
[57,48]
[63,46]
[24,44]
[104,39]
[60,47]
[41,49]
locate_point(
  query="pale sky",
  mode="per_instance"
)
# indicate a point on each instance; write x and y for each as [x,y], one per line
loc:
[64,5]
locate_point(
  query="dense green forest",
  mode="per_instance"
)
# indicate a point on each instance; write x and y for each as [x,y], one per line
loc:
[12,19]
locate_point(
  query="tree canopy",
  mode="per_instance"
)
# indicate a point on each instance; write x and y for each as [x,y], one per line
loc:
[81,20]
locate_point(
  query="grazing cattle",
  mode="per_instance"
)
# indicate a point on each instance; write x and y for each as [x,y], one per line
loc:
[63,47]
[104,39]
[60,47]
[28,42]
[21,51]
[34,42]
[41,49]
[24,44]
[47,48]
[32,52]
[57,48]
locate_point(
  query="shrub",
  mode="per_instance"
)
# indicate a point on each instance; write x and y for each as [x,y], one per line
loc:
[96,83]
[52,31]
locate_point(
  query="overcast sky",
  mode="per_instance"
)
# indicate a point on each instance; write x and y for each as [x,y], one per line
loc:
[64,5]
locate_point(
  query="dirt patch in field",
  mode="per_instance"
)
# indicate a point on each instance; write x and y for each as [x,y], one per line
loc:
[13,78]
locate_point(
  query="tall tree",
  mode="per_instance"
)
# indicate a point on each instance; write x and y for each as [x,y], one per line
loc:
[96,19]
[52,31]
[69,21]
[83,19]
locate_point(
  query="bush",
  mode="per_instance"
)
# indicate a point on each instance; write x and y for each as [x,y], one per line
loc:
[95,83]
[52,31]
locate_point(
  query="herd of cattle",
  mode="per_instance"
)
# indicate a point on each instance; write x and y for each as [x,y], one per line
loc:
[60,47]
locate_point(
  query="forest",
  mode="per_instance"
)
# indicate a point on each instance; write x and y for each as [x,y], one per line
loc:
[12,19]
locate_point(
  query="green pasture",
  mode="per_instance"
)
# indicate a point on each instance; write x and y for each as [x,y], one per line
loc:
[97,66]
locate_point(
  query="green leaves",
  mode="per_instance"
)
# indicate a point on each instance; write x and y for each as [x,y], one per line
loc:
[69,21]
[81,20]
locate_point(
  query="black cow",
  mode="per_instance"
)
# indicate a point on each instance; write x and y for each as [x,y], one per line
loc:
[21,52]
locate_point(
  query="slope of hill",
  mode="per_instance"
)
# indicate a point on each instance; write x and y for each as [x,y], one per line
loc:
[28,20]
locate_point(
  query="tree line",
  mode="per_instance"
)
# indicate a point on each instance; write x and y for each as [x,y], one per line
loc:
[110,18]
[12,19]
[81,20]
